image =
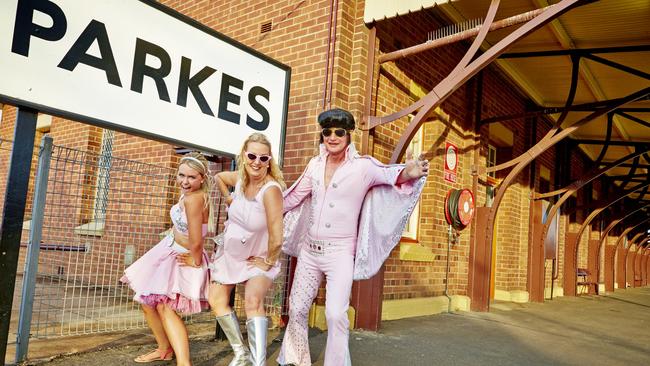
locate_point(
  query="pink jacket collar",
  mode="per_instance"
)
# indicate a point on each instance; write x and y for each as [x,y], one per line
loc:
[350,152]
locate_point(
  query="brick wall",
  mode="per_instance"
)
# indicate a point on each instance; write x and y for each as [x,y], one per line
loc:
[415,279]
[300,38]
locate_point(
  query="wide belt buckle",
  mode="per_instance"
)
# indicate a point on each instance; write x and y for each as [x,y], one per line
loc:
[317,247]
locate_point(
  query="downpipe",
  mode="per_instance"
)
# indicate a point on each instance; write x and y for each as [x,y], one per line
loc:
[451,238]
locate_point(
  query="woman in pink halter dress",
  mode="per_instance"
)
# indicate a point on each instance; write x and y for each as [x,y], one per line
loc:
[165,282]
[251,246]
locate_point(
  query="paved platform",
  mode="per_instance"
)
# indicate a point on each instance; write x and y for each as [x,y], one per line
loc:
[611,329]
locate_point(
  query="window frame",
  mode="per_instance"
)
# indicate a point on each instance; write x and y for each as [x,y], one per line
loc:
[411,231]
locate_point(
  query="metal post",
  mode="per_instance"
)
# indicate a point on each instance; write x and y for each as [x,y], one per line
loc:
[218,332]
[450,239]
[34,243]
[13,215]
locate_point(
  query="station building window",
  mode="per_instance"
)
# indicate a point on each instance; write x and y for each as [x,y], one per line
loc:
[410,249]
[101,188]
[499,150]
[411,230]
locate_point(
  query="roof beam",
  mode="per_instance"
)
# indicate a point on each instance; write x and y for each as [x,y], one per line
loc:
[587,75]
[633,118]
[638,166]
[585,107]
[577,51]
[455,16]
[613,143]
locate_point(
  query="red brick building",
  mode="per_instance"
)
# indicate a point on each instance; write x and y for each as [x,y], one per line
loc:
[326,44]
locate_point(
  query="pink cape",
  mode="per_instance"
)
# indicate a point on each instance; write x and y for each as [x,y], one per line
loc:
[385,212]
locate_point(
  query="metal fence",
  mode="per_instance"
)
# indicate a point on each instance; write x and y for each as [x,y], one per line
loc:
[100,213]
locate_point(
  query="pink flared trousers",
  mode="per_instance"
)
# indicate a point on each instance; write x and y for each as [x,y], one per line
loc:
[337,267]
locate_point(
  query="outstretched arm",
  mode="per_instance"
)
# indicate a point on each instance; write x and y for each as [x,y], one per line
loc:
[400,176]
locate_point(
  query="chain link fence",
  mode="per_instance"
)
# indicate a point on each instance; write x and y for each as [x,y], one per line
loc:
[101,213]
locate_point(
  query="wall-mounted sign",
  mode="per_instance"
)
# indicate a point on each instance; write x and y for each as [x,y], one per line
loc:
[142,68]
[451,162]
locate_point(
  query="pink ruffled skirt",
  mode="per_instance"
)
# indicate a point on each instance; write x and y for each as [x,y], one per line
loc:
[157,278]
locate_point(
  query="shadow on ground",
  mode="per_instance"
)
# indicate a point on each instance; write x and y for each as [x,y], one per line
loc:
[585,330]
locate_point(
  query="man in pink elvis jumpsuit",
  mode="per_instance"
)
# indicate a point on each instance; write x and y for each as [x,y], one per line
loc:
[337,181]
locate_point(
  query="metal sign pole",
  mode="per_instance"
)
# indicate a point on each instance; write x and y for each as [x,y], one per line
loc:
[33,249]
[219,334]
[13,214]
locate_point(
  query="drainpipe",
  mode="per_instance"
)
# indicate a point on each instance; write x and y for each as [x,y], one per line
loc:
[331,49]
[450,238]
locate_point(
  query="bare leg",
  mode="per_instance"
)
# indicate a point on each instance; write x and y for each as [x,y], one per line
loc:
[256,289]
[155,324]
[219,298]
[177,334]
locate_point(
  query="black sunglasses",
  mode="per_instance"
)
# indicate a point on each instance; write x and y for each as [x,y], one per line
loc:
[263,158]
[339,132]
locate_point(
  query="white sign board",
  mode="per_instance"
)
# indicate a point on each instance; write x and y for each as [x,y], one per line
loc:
[142,68]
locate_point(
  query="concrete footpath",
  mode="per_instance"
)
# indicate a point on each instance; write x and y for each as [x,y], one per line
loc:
[611,329]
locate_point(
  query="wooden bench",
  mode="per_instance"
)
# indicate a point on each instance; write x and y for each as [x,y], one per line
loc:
[583,279]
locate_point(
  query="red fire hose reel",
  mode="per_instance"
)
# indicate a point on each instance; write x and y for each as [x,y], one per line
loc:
[459,208]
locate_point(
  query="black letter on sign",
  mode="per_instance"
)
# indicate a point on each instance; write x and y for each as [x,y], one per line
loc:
[77,53]
[25,28]
[142,49]
[227,97]
[185,82]
[264,123]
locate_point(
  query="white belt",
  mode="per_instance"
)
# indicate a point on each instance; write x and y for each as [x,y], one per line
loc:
[322,247]
[177,247]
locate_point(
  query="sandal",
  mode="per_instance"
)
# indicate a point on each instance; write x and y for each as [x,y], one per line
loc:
[156,355]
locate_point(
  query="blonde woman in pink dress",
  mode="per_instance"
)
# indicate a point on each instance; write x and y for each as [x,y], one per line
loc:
[251,246]
[165,282]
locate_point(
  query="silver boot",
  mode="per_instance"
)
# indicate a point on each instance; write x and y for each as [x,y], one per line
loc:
[230,325]
[257,328]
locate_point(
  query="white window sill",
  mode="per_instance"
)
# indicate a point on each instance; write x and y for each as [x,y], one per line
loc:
[93,228]
[415,252]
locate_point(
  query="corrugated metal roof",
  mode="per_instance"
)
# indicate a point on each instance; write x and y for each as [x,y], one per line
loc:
[382,9]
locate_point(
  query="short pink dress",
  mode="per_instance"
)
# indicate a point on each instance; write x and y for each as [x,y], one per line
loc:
[246,234]
[157,278]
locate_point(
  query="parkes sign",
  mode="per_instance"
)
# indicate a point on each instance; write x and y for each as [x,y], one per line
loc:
[141,68]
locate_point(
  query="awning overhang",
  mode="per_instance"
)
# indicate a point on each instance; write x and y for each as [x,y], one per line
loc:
[376,10]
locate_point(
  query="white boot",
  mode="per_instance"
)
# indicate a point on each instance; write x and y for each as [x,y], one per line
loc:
[257,328]
[230,325]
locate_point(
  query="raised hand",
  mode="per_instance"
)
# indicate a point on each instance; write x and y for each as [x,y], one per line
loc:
[415,168]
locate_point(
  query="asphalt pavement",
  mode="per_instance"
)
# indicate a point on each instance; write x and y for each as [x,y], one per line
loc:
[610,329]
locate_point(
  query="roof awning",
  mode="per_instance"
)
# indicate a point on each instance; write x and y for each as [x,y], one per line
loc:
[382,9]
[612,38]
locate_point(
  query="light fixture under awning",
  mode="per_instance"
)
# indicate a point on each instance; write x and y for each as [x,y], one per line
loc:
[382,9]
